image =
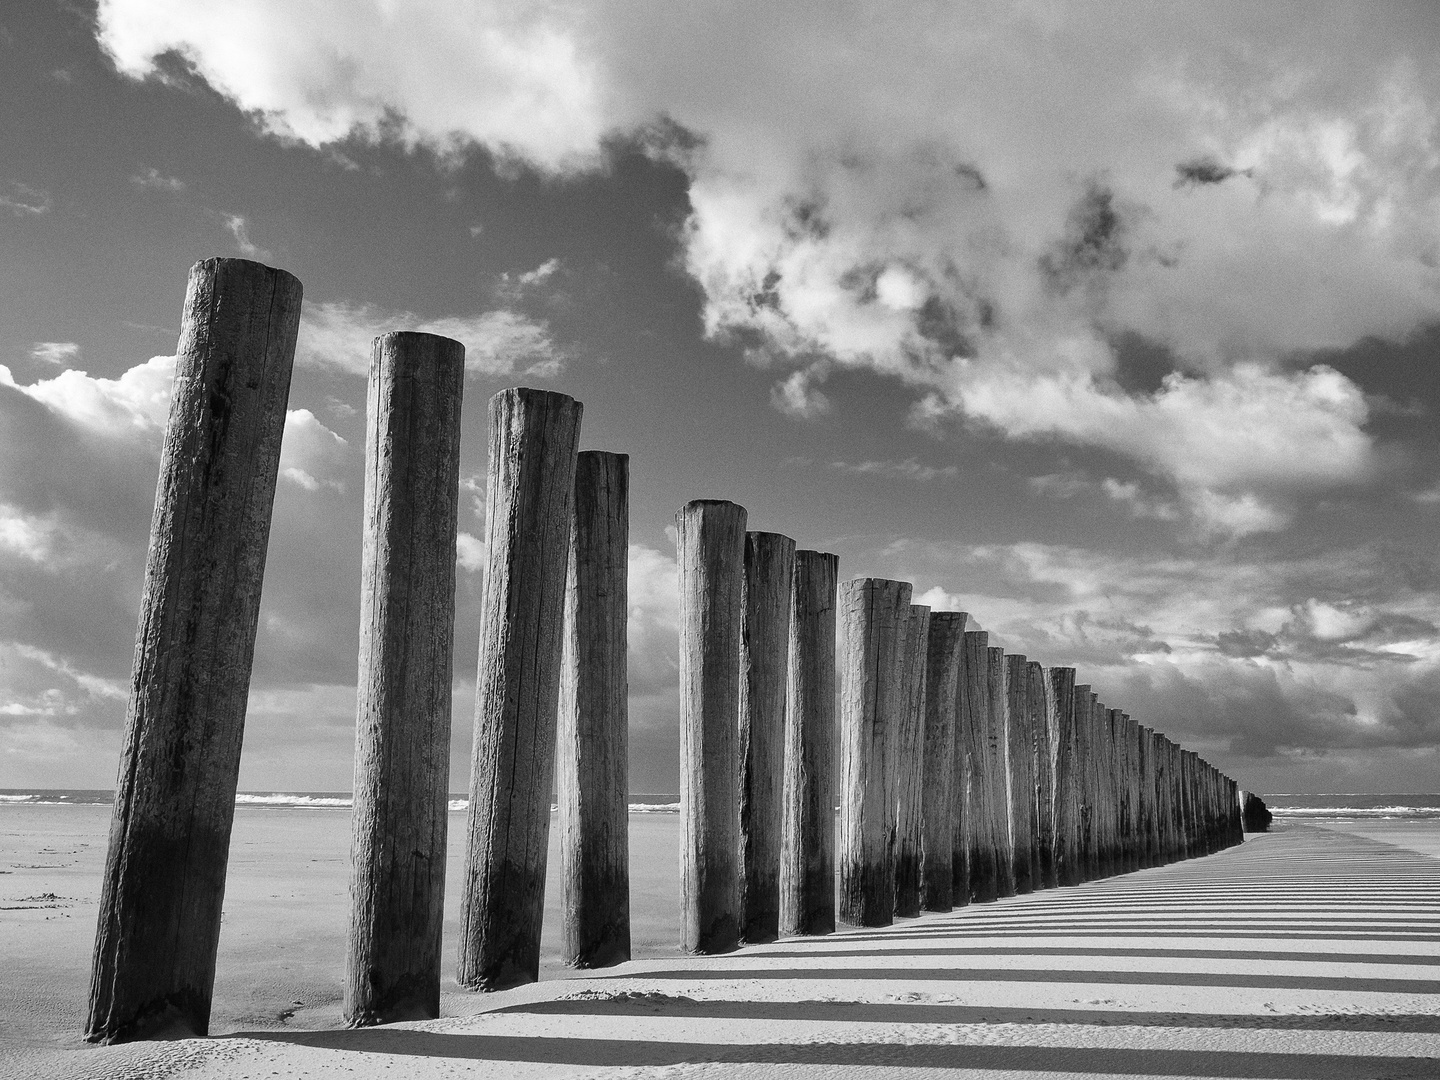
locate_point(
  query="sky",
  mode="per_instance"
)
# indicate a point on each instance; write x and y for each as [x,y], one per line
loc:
[1115,326]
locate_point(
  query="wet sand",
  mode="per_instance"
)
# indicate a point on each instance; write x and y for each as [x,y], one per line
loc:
[1308,953]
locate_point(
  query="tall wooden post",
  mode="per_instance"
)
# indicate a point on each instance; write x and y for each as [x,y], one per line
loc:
[592,745]
[764,669]
[1020,755]
[1069,778]
[712,620]
[875,615]
[998,750]
[944,653]
[807,855]
[981,854]
[407,633]
[1087,754]
[159,924]
[909,766]
[529,499]
[1042,707]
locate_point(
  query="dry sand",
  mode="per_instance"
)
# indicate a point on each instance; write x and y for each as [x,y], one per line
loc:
[1309,953]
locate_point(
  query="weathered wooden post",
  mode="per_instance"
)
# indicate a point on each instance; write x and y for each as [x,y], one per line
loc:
[592,744]
[1145,765]
[1086,742]
[944,654]
[529,500]
[407,633]
[998,751]
[807,856]
[1042,709]
[982,855]
[875,614]
[1020,757]
[962,812]
[1069,780]
[764,669]
[712,619]
[159,922]
[909,767]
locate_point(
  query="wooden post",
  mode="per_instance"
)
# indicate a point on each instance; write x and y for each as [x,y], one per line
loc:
[159,923]
[962,813]
[943,664]
[1020,771]
[402,725]
[764,669]
[1042,709]
[1145,765]
[807,856]
[1087,753]
[998,749]
[1120,859]
[592,745]
[981,853]
[909,766]
[875,615]
[1069,778]
[712,619]
[529,500]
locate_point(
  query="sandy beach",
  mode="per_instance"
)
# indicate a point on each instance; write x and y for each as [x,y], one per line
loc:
[1312,952]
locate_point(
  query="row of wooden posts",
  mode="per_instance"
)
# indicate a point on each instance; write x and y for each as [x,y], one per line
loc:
[965,774]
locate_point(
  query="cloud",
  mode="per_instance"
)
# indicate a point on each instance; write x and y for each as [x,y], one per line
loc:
[137,402]
[507,75]
[470,553]
[975,201]
[310,453]
[241,232]
[1257,659]
[63,353]
[154,180]
[909,469]
[26,201]
[338,335]
[514,286]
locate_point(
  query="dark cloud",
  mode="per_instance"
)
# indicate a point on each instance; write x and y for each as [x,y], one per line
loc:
[1094,241]
[1204,171]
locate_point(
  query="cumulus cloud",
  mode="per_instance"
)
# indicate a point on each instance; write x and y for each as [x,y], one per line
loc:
[137,402]
[310,453]
[976,201]
[339,336]
[1216,651]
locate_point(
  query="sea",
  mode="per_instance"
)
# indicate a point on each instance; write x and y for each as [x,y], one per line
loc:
[1320,808]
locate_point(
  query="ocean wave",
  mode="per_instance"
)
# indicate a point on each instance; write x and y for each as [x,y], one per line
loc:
[1412,812]
[280,800]
[654,808]
[19,798]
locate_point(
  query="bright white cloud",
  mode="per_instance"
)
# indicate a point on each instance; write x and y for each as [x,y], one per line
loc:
[973,199]
[470,552]
[136,403]
[310,453]
[502,342]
